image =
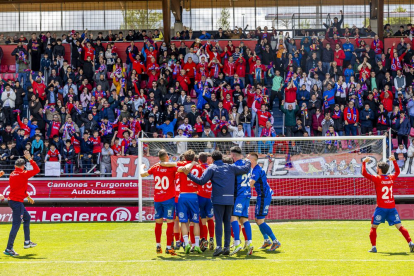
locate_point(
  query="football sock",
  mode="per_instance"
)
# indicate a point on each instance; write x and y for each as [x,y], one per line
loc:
[247,231]
[185,237]
[244,233]
[265,236]
[192,234]
[373,236]
[266,229]
[405,233]
[177,236]
[197,240]
[236,231]
[158,232]
[204,232]
[210,224]
[170,233]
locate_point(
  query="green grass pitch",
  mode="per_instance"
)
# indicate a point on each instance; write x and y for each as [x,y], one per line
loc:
[308,248]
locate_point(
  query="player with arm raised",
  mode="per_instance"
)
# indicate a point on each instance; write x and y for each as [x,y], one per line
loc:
[241,204]
[188,205]
[258,179]
[164,204]
[385,210]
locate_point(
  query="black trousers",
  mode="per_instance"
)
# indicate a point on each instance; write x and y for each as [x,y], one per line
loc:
[222,214]
[19,214]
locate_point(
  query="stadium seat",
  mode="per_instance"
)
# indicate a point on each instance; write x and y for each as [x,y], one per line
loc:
[9,77]
[12,68]
[394,143]
[4,68]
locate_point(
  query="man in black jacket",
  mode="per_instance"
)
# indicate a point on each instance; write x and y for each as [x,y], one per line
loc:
[133,148]
[58,50]
[90,124]
[17,53]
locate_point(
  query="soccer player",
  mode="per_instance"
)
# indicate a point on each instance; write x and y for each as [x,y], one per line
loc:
[188,205]
[18,192]
[206,206]
[241,204]
[164,194]
[258,179]
[385,210]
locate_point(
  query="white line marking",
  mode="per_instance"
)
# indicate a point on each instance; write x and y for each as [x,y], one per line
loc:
[209,259]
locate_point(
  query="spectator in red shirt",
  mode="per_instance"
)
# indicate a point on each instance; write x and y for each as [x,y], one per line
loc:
[339,55]
[89,51]
[290,95]
[53,155]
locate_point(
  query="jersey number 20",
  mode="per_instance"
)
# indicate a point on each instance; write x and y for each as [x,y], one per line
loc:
[161,183]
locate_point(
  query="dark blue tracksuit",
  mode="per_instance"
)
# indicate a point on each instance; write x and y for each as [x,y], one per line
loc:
[19,213]
[223,177]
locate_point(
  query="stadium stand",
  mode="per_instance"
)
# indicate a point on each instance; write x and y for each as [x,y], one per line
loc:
[77,98]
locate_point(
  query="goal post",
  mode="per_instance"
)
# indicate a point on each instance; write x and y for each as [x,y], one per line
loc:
[311,177]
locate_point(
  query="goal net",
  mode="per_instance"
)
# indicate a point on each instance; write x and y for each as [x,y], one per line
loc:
[312,178]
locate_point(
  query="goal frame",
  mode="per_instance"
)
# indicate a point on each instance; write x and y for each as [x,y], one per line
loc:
[141,142]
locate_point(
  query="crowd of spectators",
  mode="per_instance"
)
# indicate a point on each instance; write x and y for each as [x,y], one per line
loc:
[84,110]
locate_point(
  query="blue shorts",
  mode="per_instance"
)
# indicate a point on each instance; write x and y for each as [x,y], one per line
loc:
[164,209]
[188,208]
[206,207]
[262,206]
[381,215]
[241,207]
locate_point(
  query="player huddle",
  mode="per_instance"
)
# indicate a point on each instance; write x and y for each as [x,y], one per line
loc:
[199,187]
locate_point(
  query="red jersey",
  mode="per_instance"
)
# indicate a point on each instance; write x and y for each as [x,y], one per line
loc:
[89,52]
[55,129]
[191,69]
[26,128]
[263,117]
[116,148]
[18,182]
[96,144]
[206,189]
[164,182]
[39,90]
[186,185]
[177,188]
[121,128]
[383,186]
[75,143]
[53,155]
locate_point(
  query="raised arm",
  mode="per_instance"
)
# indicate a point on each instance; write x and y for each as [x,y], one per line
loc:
[207,175]
[241,169]
[396,167]
[364,168]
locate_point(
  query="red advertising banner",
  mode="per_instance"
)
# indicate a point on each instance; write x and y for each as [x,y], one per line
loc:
[119,214]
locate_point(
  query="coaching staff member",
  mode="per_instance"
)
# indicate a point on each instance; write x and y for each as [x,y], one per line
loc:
[223,177]
[18,192]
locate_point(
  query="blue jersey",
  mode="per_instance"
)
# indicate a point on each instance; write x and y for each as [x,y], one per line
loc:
[262,187]
[242,182]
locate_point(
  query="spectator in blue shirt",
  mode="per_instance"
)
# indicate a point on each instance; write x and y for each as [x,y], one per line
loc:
[168,126]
